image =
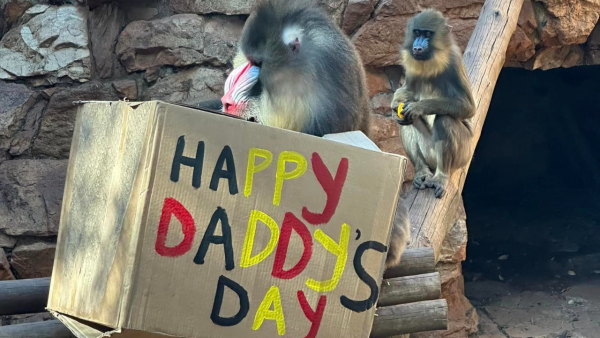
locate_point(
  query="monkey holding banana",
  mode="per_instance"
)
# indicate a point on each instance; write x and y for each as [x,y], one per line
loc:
[297,70]
[435,129]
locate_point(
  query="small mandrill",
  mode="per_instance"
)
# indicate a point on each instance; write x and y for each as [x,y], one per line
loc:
[437,102]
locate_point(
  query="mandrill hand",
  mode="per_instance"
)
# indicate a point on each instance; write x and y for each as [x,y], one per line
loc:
[411,112]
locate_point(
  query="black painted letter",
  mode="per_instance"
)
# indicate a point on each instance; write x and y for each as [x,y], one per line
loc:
[209,237]
[225,157]
[215,315]
[364,305]
[195,163]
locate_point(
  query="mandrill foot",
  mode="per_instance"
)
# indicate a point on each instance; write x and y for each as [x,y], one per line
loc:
[439,186]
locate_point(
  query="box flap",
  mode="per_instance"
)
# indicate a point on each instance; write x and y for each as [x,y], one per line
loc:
[98,235]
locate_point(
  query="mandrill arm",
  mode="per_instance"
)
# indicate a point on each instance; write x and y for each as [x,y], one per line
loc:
[402,95]
[458,108]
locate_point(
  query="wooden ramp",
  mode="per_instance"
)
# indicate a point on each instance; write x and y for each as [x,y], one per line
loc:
[430,217]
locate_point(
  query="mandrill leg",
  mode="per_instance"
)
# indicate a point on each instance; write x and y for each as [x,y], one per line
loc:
[414,141]
[451,144]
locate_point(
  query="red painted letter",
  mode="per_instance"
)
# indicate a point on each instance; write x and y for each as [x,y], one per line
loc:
[332,187]
[291,222]
[313,316]
[173,207]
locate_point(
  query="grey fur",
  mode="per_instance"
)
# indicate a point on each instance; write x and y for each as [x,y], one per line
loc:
[326,71]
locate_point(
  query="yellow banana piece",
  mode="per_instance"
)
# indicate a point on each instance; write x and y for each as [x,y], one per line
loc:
[400,110]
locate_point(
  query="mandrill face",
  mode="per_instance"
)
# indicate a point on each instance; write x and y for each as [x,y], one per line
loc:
[272,76]
[427,34]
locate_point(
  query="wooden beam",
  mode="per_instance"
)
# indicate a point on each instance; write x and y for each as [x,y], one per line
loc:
[415,261]
[47,329]
[410,289]
[484,57]
[410,318]
[24,296]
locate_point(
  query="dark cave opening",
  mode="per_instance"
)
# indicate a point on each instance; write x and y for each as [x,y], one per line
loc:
[531,194]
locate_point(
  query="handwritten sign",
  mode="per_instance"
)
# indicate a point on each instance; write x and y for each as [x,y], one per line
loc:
[232,229]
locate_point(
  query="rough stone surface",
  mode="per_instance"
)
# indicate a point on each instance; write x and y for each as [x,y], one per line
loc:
[13,11]
[334,7]
[54,139]
[356,14]
[52,42]
[7,241]
[189,86]
[105,23]
[378,40]
[380,103]
[560,56]
[31,196]
[570,21]
[34,260]
[377,82]
[454,247]
[179,40]
[126,89]
[520,47]
[382,128]
[5,273]
[212,6]
[20,116]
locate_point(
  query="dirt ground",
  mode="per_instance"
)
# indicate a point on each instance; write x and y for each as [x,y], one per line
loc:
[551,310]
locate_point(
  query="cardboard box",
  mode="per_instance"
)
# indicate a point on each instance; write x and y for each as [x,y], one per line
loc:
[178,222]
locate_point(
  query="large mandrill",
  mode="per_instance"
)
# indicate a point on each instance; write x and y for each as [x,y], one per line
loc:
[296,70]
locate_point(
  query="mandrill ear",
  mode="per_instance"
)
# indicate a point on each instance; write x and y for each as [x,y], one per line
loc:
[294,45]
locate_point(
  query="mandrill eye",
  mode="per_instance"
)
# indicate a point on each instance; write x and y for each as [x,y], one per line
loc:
[417,32]
[255,62]
[428,34]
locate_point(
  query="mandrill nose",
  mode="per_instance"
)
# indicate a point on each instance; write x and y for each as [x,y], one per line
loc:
[228,104]
[417,50]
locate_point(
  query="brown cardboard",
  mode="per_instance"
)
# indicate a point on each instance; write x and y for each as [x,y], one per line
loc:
[120,271]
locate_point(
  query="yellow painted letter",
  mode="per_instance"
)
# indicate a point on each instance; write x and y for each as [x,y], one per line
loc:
[256,216]
[253,169]
[285,157]
[340,251]
[263,312]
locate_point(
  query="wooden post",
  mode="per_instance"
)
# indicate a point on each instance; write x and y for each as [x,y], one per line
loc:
[47,329]
[484,57]
[415,261]
[410,289]
[410,318]
[24,296]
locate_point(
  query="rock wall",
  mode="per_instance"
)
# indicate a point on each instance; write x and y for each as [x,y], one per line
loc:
[55,52]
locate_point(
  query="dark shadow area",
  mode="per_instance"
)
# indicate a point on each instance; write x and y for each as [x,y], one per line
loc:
[532,192]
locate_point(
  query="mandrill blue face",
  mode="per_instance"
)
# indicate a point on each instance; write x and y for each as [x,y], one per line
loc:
[420,47]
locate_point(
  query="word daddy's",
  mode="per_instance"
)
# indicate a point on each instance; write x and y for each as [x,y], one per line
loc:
[290,165]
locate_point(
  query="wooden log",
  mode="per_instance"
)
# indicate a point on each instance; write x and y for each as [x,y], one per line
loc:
[47,329]
[410,318]
[484,57]
[415,261]
[410,289]
[24,296]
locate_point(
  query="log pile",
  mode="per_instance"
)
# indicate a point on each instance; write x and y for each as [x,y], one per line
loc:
[409,297]
[25,296]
